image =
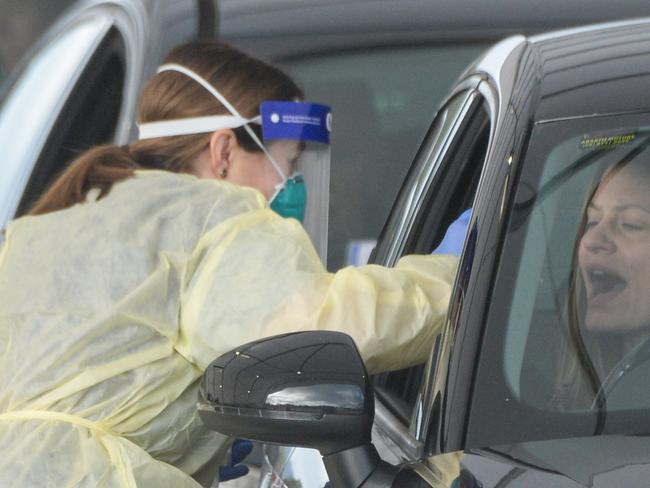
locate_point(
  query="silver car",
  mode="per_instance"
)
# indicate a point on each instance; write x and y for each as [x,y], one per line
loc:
[79,84]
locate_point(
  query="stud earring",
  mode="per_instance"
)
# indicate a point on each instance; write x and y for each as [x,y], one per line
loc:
[223,173]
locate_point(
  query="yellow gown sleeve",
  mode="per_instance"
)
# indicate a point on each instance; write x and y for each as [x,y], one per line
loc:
[257,275]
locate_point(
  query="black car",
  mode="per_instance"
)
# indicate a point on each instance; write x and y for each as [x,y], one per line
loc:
[541,377]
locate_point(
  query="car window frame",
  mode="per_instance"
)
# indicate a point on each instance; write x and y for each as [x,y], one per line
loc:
[449,194]
[417,205]
[408,207]
[451,378]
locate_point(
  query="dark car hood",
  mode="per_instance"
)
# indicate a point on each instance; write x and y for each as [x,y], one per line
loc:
[594,462]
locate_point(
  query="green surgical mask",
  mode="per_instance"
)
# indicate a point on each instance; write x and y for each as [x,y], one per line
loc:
[291,200]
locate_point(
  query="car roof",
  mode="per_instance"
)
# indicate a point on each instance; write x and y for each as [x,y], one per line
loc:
[592,70]
[596,70]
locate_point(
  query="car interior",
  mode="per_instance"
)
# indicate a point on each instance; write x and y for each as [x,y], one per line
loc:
[88,118]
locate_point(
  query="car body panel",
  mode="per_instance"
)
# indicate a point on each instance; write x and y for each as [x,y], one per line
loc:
[579,73]
[570,463]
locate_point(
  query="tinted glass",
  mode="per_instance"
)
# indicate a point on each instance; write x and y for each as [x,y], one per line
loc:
[571,322]
[383,101]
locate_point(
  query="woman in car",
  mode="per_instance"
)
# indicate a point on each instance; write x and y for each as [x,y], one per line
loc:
[609,309]
[143,263]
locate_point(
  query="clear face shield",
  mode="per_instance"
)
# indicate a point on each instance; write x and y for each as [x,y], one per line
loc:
[303,193]
[299,131]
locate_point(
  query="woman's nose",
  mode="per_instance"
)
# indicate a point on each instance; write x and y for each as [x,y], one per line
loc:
[600,237]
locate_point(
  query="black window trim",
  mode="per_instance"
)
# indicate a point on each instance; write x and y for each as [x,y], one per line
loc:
[410,433]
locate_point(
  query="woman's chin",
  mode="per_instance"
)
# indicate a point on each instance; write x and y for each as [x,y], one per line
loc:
[609,322]
[605,322]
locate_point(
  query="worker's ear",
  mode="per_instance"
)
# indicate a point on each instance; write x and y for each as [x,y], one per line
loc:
[222,145]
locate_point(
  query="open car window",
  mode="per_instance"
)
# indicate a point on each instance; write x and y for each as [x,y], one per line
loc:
[459,143]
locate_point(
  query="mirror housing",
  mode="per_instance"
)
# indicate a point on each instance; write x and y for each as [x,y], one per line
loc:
[307,389]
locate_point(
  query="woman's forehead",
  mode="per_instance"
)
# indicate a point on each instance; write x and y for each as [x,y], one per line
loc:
[629,184]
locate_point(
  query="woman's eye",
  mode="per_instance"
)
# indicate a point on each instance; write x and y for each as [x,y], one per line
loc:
[590,224]
[632,226]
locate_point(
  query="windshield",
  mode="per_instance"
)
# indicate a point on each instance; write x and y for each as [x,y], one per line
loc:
[573,333]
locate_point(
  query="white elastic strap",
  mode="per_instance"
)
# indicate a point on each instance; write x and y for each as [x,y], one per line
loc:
[225,103]
[193,125]
[278,188]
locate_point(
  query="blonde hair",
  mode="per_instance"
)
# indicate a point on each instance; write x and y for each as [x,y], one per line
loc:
[584,360]
[243,80]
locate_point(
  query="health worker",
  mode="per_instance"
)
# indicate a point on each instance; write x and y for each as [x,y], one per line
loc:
[143,263]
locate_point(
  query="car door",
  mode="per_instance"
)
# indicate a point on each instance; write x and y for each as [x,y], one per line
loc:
[78,86]
[68,98]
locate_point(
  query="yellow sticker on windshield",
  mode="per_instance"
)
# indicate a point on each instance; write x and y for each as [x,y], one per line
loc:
[606,141]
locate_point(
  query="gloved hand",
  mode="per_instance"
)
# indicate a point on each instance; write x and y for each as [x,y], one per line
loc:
[454,238]
[239,450]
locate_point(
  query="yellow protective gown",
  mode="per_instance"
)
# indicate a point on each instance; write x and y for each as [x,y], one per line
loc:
[110,311]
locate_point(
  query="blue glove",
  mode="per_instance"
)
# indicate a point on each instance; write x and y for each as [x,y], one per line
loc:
[233,470]
[454,238]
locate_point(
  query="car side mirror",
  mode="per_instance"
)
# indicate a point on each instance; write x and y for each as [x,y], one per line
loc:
[307,389]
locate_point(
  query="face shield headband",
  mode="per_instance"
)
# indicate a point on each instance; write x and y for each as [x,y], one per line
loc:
[279,119]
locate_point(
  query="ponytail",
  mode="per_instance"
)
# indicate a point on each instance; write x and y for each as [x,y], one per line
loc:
[99,167]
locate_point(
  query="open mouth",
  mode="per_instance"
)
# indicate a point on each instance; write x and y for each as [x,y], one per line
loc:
[605,285]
